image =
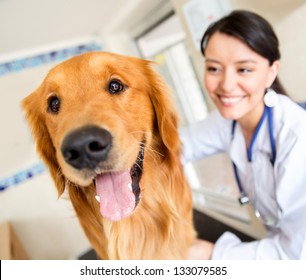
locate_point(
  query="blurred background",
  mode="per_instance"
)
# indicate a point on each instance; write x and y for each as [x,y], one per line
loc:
[38,34]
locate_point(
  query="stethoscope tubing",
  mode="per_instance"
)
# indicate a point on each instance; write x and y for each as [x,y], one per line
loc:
[243,199]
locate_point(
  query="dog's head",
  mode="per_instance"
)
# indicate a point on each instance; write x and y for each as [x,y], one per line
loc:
[95,118]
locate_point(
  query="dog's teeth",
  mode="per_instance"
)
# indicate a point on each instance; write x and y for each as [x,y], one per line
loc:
[130,186]
[98,198]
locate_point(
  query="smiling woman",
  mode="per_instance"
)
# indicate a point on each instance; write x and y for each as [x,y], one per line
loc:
[236,78]
[262,131]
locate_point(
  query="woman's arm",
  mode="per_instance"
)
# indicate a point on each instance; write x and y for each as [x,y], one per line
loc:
[205,138]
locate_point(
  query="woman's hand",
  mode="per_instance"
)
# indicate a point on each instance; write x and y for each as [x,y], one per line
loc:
[200,250]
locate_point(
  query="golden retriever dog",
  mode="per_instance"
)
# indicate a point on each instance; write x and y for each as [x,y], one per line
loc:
[107,130]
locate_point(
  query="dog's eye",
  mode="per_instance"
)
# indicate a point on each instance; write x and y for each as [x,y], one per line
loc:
[54,104]
[115,86]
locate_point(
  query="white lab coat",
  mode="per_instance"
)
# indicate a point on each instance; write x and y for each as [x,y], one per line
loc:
[287,193]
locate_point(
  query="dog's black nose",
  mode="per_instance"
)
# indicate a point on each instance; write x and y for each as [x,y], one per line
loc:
[86,147]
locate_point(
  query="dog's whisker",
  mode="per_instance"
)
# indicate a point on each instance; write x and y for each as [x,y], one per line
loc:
[140,167]
[147,147]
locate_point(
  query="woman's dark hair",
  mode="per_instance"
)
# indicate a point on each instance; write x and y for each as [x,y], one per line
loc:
[254,31]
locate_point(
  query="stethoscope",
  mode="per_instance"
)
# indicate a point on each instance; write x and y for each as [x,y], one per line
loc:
[243,199]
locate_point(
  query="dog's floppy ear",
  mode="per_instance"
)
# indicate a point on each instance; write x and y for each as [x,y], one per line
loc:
[166,115]
[32,107]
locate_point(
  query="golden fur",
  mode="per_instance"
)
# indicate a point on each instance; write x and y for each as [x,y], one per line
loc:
[161,225]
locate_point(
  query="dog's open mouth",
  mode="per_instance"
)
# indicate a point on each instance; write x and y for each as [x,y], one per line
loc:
[119,192]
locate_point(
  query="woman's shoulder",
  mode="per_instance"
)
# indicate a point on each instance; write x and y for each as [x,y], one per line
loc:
[290,117]
[289,112]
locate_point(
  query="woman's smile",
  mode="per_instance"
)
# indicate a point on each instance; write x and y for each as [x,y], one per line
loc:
[229,101]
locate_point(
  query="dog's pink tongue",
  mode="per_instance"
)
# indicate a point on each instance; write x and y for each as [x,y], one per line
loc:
[117,201]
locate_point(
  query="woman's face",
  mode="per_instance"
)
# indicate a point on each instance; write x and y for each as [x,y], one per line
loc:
[236,77]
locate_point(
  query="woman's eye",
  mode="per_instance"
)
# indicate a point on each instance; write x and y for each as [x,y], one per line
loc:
[244,70]
[54,104]
[212,69]
[115,87]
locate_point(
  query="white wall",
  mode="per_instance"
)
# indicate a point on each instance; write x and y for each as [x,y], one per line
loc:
[46,226]
[17,149]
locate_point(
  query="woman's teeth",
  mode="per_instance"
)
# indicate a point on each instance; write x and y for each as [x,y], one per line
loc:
[230,100]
